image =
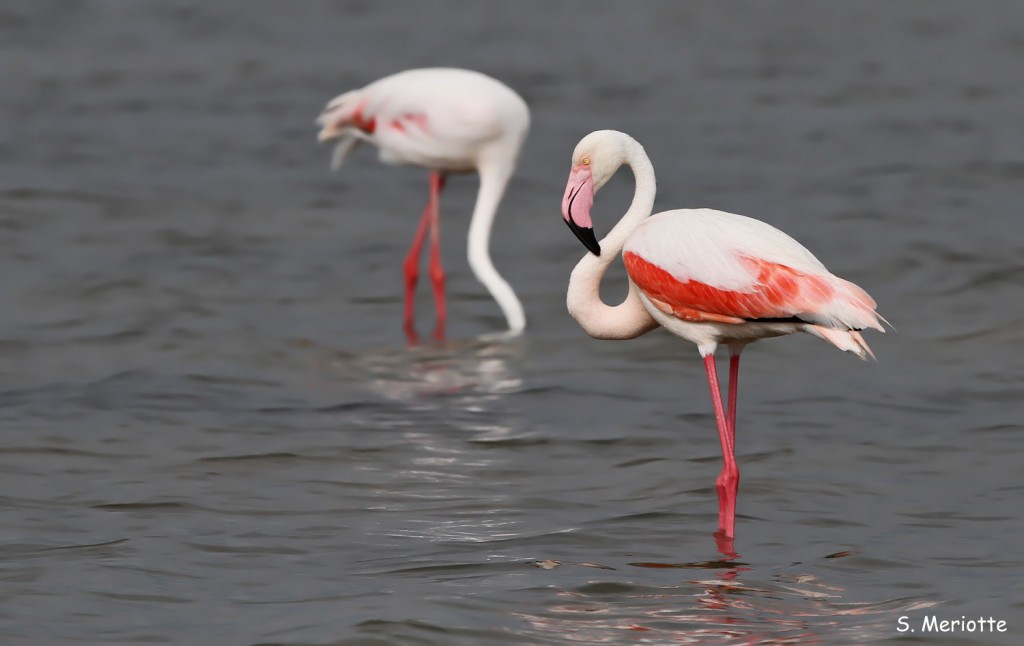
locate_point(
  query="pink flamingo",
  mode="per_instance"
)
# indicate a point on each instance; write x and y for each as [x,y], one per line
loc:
[707,276]
[448,121]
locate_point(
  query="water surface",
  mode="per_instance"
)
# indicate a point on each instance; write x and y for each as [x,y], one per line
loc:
[214,433]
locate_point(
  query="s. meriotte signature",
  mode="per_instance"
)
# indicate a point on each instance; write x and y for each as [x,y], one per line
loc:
[932,624]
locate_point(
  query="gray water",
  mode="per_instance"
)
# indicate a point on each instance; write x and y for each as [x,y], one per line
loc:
[213,431]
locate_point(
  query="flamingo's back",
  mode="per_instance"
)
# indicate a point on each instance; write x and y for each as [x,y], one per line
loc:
[439,118]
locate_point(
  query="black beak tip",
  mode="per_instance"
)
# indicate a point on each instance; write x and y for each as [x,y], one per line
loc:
[586,236]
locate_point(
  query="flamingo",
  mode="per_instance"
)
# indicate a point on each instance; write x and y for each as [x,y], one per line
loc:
[707,276]
[447,121]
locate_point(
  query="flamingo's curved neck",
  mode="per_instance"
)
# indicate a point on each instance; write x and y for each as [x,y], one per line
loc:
[493,180]
[628,319]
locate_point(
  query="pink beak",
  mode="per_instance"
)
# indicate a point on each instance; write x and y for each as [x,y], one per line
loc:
[576,205]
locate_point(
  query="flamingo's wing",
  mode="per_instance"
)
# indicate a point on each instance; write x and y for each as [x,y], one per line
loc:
[704,265]
[774,292]
[436,118]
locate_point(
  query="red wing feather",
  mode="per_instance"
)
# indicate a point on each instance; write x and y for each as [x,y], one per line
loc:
[777,292]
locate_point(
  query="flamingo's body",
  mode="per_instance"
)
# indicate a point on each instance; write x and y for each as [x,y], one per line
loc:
[707,276]
[448,121]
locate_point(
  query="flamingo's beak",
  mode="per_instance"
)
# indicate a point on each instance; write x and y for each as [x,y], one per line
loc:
[576,205]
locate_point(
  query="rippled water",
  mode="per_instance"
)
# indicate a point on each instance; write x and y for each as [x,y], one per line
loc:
[213,432]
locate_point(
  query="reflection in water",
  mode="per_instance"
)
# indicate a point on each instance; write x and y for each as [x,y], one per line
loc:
[477,368]
[733,607]
[441,490]
[437,495]
[445,404]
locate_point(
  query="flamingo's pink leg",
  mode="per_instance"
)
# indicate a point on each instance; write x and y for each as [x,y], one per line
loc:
[412,274]
[430,220]
[734,378]
[729,480]
[724,540]
[437,277]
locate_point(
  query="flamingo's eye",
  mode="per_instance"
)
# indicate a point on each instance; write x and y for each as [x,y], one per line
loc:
[585,161]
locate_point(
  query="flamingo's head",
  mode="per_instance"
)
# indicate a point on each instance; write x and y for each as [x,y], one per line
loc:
[577,202]
[341,122]
[595,160]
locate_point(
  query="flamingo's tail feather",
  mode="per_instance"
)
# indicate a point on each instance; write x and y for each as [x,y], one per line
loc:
[845,340]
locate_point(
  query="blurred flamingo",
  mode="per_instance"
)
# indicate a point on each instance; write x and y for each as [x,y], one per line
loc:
[448,121]
[707,276]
